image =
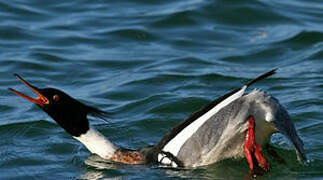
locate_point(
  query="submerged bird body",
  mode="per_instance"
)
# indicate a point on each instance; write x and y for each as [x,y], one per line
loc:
[223,135]
[233,126]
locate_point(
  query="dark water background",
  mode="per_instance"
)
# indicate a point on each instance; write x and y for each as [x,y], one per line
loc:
[151,64]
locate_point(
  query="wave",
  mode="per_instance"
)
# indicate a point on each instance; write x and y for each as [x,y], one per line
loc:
[304,39]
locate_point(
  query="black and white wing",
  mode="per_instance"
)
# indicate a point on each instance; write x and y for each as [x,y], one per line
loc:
[172,142]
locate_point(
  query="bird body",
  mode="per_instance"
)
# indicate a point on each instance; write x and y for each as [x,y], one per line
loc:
[222,135]
[235,125]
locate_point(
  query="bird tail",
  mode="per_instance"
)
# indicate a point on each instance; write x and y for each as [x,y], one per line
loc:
[262,76]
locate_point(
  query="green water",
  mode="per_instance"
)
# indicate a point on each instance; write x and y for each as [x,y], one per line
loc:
[150,64]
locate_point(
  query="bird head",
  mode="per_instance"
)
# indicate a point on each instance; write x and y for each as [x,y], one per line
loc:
[273,117]
[68,112]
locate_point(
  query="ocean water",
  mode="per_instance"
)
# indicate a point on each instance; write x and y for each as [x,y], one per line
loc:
[150,64]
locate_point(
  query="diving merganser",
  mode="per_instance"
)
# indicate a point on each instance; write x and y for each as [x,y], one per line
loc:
[235,125]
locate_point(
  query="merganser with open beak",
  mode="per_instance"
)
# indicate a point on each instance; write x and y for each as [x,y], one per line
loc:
[236,125]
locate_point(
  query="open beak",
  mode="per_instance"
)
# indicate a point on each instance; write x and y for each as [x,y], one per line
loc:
[40,100]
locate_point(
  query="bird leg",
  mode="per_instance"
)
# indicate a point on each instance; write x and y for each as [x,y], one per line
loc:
[252,149]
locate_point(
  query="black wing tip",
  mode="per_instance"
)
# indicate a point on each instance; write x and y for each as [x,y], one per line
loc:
[271,72]
[262,76]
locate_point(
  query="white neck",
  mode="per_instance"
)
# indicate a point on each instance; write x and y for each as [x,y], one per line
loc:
[96,143]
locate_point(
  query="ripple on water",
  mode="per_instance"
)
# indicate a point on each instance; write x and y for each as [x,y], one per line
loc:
[304,39]
[21,9]
[46,56]
[258,57]
[15,34]
[242,13]
[184,19]
[133,34]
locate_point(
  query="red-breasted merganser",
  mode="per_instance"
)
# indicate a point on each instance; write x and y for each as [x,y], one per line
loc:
[235,125]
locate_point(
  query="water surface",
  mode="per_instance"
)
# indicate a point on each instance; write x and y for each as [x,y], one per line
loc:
[150,64]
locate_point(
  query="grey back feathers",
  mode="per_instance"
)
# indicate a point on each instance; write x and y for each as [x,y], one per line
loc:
[222,136]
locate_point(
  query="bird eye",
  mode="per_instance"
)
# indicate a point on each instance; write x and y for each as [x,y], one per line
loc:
[56,98]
